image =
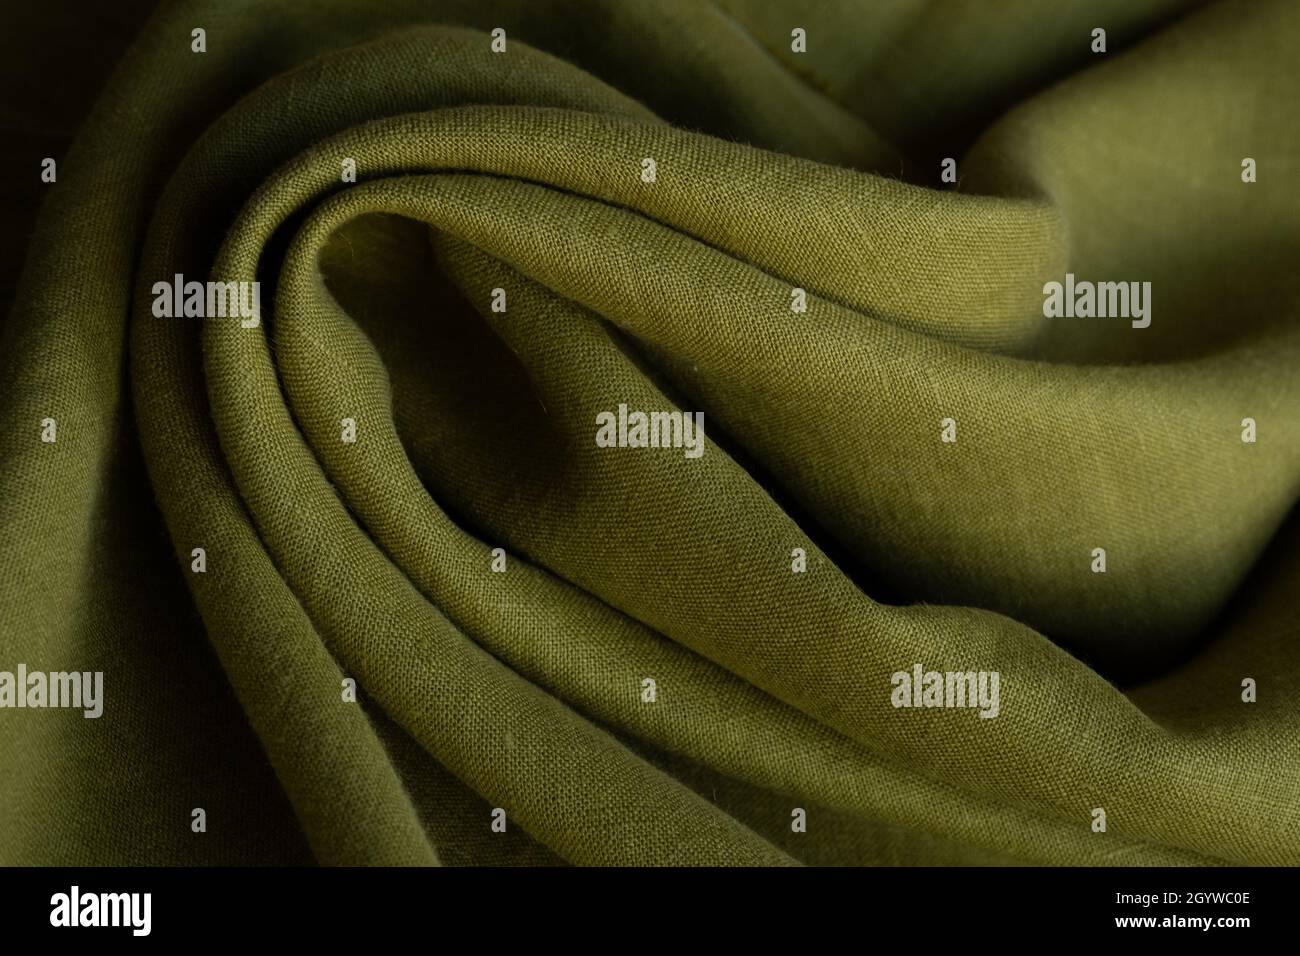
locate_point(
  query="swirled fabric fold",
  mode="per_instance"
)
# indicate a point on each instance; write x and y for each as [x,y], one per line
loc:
[564,652]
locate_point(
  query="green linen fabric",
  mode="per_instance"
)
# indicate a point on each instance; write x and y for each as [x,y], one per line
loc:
[522,690]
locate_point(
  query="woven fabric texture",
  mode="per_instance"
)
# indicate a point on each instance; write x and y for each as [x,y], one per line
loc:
[511,686]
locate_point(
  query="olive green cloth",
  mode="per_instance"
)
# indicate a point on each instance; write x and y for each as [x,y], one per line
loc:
[525,689]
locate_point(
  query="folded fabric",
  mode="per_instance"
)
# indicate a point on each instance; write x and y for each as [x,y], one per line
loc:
[639,434]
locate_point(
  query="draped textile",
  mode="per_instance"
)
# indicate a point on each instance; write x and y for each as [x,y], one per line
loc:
[567,652]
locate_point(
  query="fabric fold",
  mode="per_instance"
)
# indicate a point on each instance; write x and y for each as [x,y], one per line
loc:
[367,585]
